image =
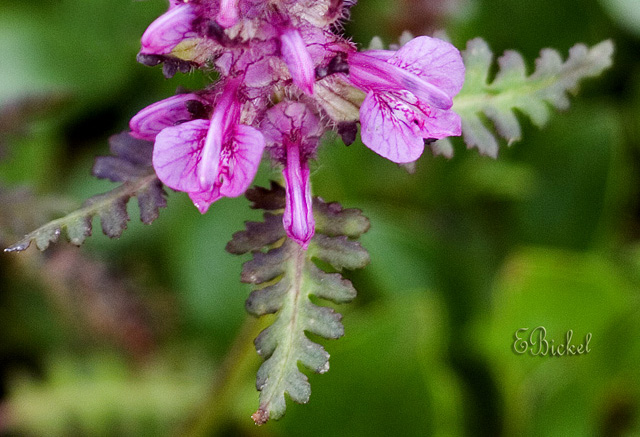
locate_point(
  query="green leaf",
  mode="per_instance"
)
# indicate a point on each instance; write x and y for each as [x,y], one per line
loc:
[131,164]
[285,277]
[481,101]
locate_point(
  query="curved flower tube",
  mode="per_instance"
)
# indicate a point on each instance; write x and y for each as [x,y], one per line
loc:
[292,133]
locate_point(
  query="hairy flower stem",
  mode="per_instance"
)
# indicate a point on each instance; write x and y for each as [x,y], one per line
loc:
[237,369]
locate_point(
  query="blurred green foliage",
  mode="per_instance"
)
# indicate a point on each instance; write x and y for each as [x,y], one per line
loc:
[464,252]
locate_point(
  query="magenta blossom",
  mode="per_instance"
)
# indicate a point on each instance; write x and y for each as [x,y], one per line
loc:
[286,77]
[170,29]
[409,94]
[180,108]
[292,133]
[213,158]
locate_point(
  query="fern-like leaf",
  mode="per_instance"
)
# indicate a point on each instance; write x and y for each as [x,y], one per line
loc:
[284,278]
[481,101]
[129,164]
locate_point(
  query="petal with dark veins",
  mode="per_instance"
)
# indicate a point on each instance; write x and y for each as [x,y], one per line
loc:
[177,152]
[390,128]
[241,162]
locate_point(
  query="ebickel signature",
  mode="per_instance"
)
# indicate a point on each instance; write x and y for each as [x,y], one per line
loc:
[536,343]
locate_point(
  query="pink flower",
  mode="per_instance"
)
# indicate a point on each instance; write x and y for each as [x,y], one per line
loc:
[292,133]
[169,30]
[409,94]
[147,123]
[213,158]
[291,66]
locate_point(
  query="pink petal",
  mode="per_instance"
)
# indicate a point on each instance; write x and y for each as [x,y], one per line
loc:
[228,15]
[169,30]
[285,118]
[295,55]
[298,218]
[208,167]
[384,55]
[225,116]
[203,200]
[146,124]
[440,124]
[242,165]
[176,155]
[389,128]
[435,61]
[373,73]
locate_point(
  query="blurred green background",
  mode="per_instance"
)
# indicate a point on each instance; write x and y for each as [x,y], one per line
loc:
[147,335]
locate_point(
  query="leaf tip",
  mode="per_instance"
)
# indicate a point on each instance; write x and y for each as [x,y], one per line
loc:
[260,417]
[18,247]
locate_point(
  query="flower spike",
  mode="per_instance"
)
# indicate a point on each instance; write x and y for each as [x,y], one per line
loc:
[285,78]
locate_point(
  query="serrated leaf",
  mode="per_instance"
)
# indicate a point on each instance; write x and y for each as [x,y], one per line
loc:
[442,147]
[332,219]
[340,252]
[47,236]
[285,277]
[267,300]
[257,235]
[269,199]
[265,267]
[150,199]
[284,344]
[78,229]
[487,108]
[114,217]
[330,286]
[132,166]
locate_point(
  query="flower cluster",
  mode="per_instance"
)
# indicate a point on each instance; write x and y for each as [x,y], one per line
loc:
[286,76]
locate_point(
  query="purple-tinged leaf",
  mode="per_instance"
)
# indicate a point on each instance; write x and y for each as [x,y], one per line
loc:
[257,235]
[284,277]
[130,165]
[269,199]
